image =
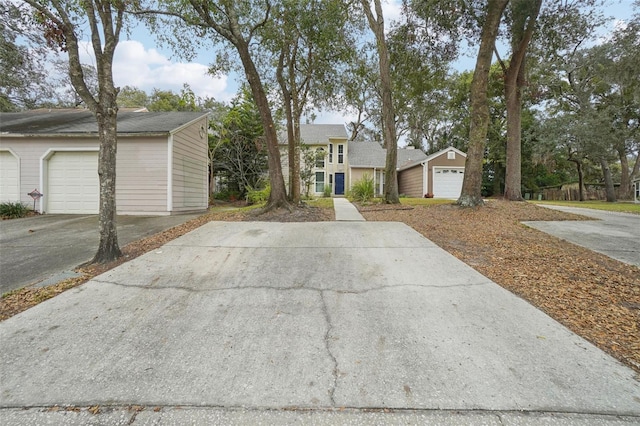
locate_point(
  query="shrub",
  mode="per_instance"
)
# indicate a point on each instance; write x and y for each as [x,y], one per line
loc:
[326,192]
[257,196]
[226,195]
[13,210]
[362,190]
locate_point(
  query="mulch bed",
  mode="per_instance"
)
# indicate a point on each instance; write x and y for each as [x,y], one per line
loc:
[593,295]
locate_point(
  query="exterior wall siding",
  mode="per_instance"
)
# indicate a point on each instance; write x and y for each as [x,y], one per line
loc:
[190,168]
[410,181]
[141,177]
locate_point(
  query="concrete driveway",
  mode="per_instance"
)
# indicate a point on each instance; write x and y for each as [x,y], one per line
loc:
[303,323]
[42,247]
[613,234]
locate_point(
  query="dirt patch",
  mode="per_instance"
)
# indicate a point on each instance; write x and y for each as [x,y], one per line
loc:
[593,295]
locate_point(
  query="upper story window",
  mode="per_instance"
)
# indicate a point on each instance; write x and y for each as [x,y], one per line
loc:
[340,154]
[330,153]
[320,158]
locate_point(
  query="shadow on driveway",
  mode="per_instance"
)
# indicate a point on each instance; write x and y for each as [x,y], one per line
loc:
[34,248]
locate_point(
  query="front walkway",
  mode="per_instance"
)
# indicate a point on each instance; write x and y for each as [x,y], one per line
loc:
[345,211]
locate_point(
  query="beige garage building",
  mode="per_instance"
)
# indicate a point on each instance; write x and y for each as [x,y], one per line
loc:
[162,162]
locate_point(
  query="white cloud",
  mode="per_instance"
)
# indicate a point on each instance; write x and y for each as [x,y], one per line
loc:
[146,68]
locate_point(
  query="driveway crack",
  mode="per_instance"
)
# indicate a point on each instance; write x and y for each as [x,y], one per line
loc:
[327,344]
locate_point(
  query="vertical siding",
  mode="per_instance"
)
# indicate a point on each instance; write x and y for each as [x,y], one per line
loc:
[141,176]
[410,181]
[190,168]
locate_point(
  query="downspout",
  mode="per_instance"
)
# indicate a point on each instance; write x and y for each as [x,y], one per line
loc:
[170,173]
[425,182]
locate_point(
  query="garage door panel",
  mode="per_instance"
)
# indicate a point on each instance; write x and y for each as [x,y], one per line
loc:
[447,182]
[9,170]
[73,183]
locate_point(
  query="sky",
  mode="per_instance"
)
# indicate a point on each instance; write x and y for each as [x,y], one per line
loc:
[142,62]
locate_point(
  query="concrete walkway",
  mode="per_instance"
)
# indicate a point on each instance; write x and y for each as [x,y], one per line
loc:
[303,323]
[345,211]
[613,234]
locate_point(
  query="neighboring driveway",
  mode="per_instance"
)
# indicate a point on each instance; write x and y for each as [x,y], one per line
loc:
[35,248]
[616,235]
[312,323]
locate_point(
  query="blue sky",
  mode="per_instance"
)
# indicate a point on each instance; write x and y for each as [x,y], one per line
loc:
[142,62]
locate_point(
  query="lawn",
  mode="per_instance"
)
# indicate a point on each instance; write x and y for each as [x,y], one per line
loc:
[625,207]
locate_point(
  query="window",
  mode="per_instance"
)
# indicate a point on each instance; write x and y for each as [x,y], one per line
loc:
[331,181]
[451,155]
[340,154]
[319,181]
[320,159]
[330,153]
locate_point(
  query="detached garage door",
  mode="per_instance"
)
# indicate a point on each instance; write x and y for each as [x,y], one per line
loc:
[73,185]
[9,190]
[447,182]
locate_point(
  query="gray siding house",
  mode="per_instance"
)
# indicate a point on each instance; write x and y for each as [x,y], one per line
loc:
[162,161]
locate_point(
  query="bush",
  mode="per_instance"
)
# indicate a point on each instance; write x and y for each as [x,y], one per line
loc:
[326,192]
[258,196]
[362,190]
[13,210]
[226,195]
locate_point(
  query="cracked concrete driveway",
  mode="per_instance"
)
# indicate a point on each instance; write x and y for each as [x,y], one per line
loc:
[294,322]
[35,248]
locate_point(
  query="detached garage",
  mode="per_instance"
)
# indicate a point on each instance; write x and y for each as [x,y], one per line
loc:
[440,174]
[162,161]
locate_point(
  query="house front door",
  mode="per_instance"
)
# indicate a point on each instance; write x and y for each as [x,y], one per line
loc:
[339,183]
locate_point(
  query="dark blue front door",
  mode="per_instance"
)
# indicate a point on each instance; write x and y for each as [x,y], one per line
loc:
[339,183]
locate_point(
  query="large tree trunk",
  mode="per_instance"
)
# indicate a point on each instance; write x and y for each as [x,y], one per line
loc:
[522,31]
[625,177]
[388,111]
[108,248]
[278,196]
[608,181]
[471,194]
[513,175]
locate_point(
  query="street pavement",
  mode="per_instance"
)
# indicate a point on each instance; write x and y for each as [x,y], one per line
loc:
[48,247]
[613,234]
[302,323]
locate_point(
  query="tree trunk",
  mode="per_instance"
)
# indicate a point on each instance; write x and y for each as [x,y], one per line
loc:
[608,181]
[522,31]
[388,111]
[513,175]
[108,248]
[471,194]
[278,196]
[625,177]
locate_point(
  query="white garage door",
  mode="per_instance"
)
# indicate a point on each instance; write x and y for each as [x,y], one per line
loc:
[9,190]
[447,182]
[73,185]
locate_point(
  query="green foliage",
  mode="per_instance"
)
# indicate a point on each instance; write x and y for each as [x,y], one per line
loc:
[326,193]
[363,189]
[166,100]
[13,210]
[258,196]
[237,145]
[132,97]
[227,195]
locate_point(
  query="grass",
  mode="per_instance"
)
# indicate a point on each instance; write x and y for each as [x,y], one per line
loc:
[625,207]
[424,201]
[325,203]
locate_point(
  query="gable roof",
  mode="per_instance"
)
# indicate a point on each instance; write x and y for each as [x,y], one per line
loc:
[316,134]
[442,151]
[372,154]
[82,122]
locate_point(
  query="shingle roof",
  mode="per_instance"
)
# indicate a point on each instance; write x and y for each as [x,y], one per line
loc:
[371,154]
[316,134]
[83,122]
